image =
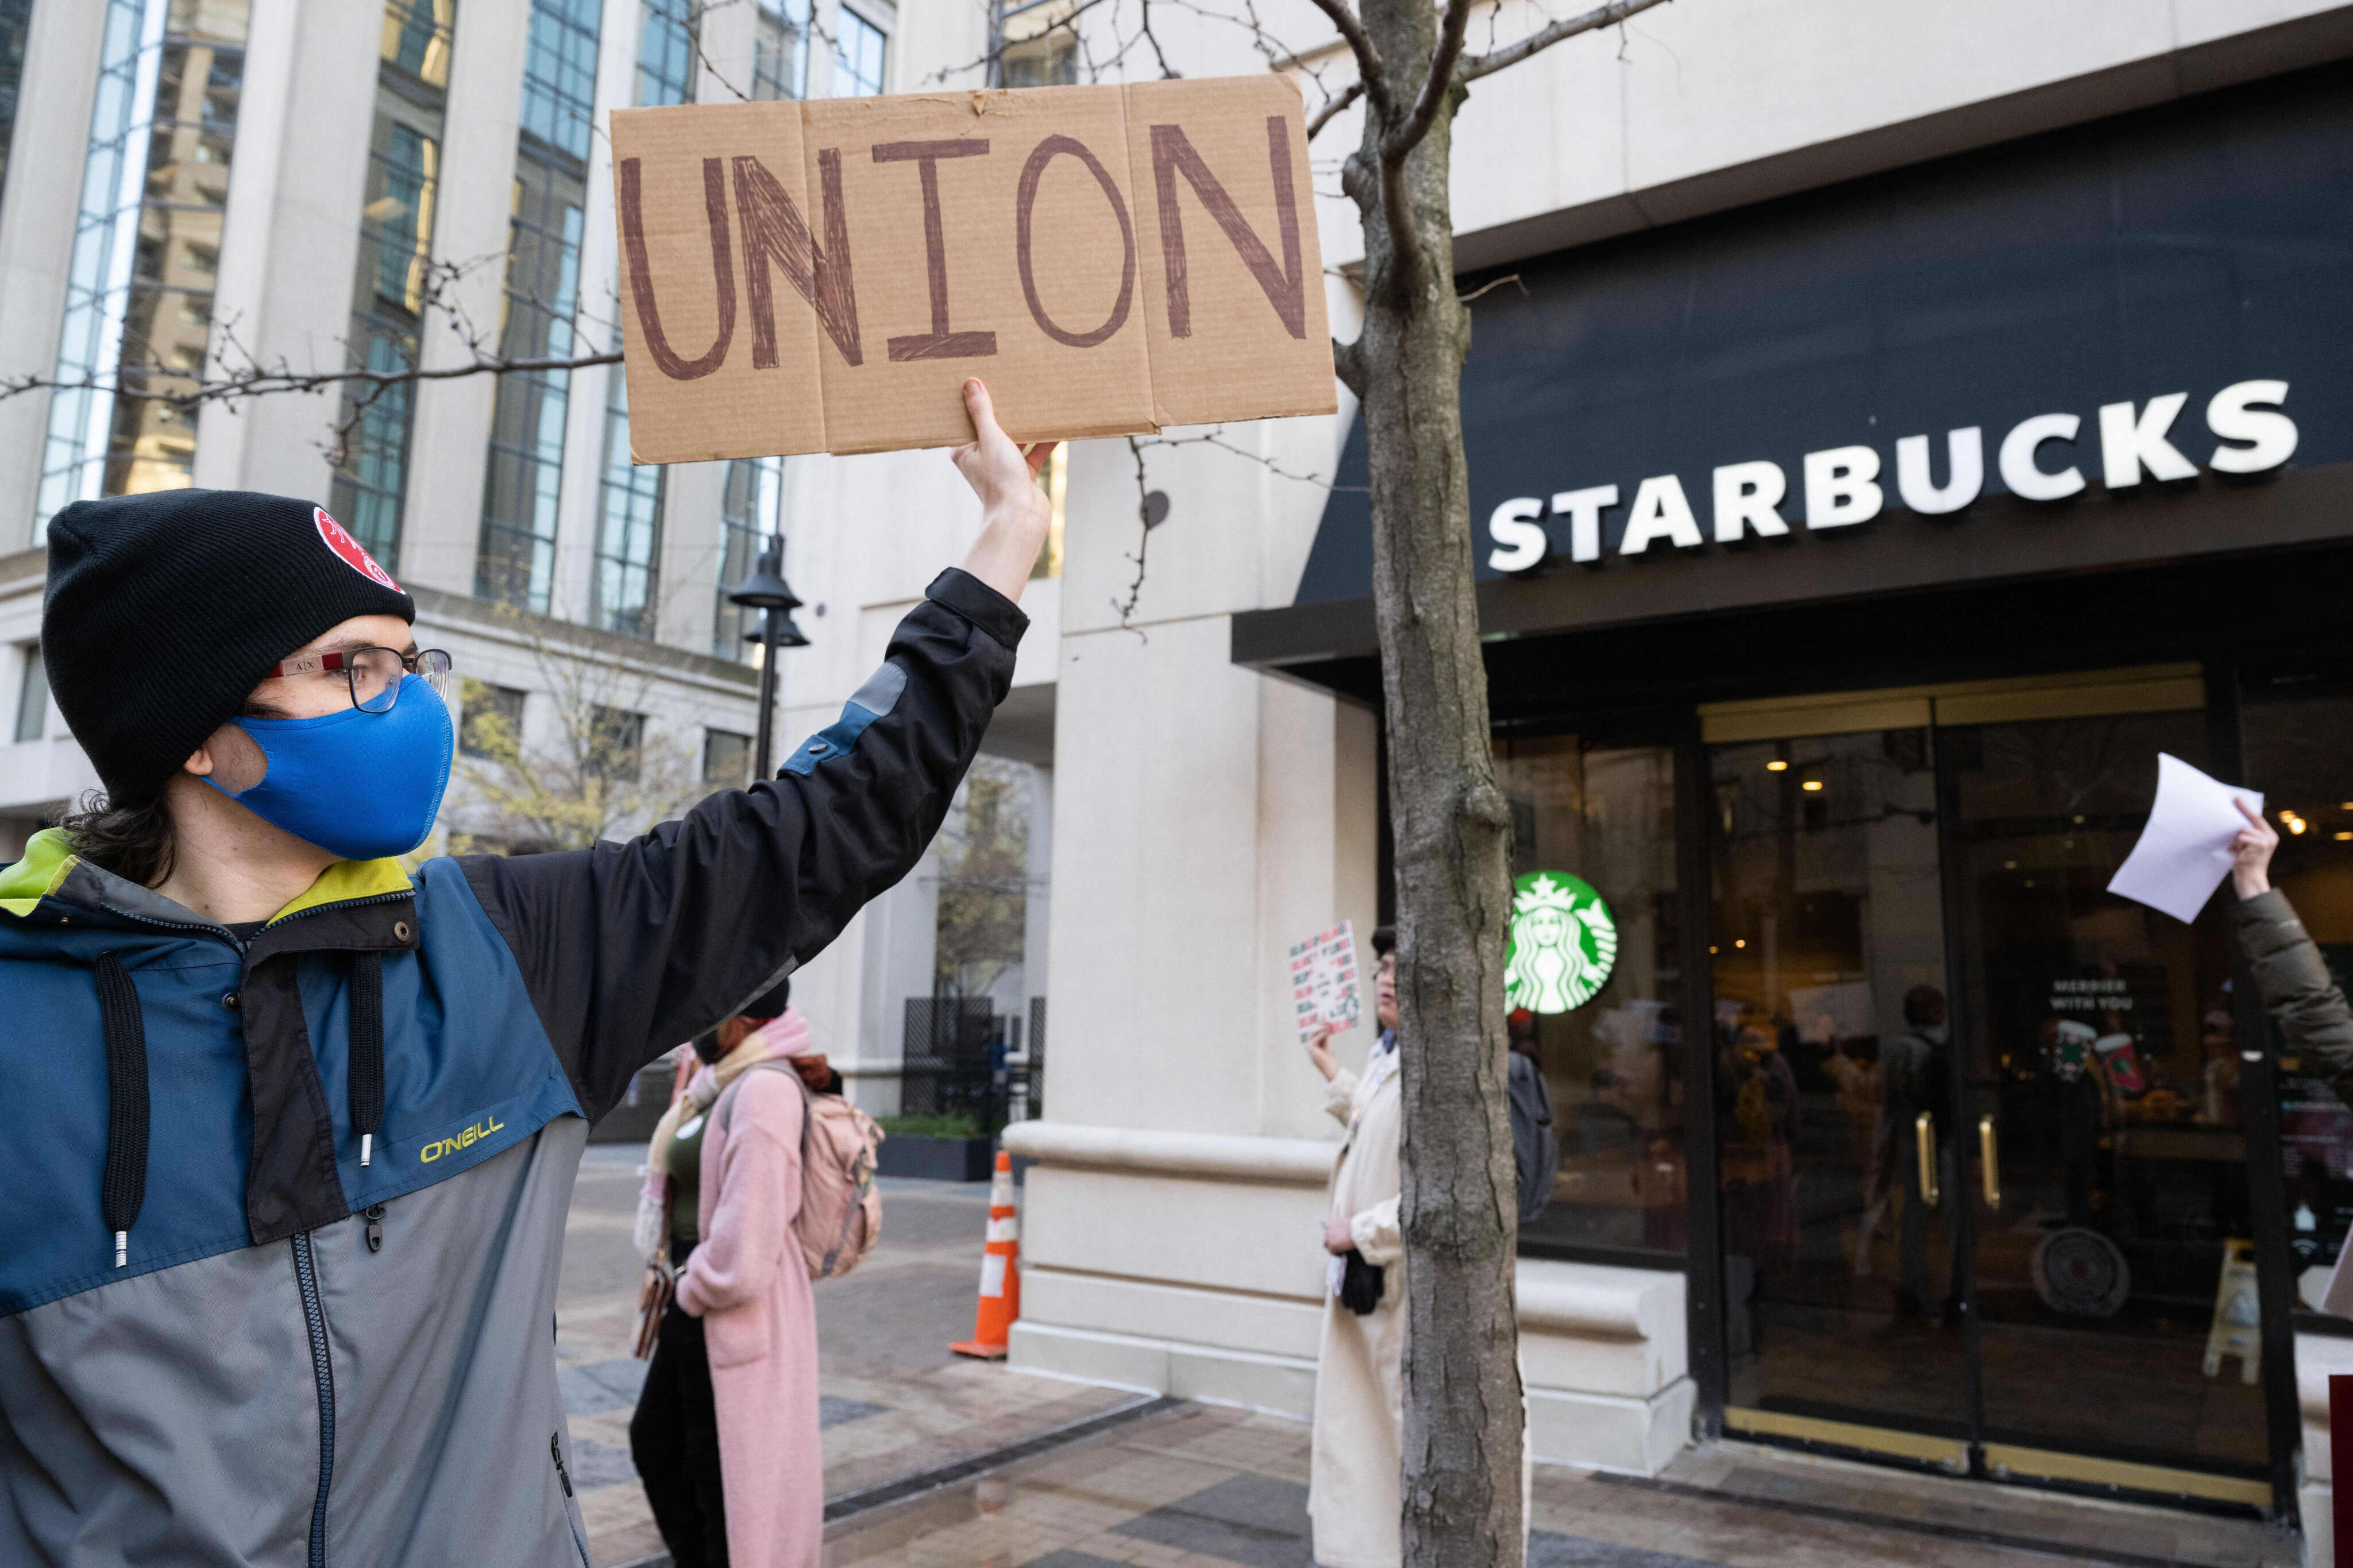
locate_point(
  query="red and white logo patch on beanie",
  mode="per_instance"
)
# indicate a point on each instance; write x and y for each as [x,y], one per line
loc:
[349,549]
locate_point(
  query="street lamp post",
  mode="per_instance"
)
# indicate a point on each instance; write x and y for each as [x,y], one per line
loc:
[764,590]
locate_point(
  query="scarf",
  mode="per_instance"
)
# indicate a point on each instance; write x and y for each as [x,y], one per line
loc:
[785,1036]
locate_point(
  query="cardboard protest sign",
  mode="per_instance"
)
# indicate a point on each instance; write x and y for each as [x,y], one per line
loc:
[806,277]
[1324,981]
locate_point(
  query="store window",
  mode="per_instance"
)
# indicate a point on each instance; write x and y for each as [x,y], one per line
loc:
[515,562]
[858,50]
[16,23]
[780,51]
[750,513]
[390,293]
[492,726]
[616,748]
[726,759]
[1041,43]
[627,570]
[33,696]
[1598,1010]
[2294,732]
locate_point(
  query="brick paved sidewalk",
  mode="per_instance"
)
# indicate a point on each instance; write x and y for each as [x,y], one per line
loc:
[1203,1488]
[895,1401]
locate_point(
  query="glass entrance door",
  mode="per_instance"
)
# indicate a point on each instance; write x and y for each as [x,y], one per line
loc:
[1841,1264]
[2115,1322]
[1983,1175]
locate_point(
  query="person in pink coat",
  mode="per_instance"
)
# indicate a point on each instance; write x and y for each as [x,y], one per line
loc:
[736,1366]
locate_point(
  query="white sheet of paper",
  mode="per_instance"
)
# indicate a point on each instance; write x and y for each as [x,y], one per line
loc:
[2338,1299]
[2185,851]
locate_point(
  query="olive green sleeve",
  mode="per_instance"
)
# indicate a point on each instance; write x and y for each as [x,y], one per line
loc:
[2296,988]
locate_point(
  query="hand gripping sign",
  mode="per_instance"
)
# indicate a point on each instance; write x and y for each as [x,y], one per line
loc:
[806,277]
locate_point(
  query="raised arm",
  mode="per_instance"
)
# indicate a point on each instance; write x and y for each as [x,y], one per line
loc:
[628,948]
[2297,989]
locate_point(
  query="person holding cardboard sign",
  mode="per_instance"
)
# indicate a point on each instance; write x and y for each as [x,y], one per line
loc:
[292,1129]
[819,275]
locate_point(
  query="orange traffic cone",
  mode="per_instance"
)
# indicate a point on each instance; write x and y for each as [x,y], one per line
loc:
[1001,1270]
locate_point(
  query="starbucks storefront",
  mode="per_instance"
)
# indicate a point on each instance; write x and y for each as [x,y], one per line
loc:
[1848,562]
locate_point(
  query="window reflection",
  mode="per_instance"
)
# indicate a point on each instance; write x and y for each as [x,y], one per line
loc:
[1605,814]
[139,298]
[2297,753]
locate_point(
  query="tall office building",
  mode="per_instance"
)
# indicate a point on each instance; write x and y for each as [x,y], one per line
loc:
[189,188]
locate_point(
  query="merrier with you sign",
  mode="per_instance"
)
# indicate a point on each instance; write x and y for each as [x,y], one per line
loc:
[807,277]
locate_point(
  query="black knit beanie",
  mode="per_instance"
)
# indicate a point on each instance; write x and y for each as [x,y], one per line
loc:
[165,610]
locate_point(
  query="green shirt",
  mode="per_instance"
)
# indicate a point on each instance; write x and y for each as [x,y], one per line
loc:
[686,1183]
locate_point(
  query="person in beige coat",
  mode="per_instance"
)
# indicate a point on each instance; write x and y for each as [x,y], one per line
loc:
[1353,1497]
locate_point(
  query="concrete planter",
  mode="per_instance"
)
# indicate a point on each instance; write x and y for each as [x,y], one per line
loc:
[938,1159]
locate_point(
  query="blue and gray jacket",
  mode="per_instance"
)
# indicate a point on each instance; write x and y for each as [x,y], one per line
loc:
[281,1221]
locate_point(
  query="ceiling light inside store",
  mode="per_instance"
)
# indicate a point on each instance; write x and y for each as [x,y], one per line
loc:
[2341,838]
[2297,824]
[1814,784]
[1740,942]
[1778,766]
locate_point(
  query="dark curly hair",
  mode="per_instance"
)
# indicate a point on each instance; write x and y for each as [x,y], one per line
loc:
[134,842]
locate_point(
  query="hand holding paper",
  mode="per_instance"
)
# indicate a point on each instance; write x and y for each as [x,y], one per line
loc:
[2190,842]
[2251,868]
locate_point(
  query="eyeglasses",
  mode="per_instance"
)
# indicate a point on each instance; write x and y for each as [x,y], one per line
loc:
[372,675]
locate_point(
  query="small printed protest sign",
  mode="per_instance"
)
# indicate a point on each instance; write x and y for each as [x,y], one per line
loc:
[1323,980]
[822,275]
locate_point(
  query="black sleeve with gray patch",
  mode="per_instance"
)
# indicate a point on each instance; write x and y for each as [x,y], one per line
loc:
[630,949]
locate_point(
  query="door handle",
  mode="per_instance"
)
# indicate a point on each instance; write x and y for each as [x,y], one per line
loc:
[1923,1131]
[1990,1161]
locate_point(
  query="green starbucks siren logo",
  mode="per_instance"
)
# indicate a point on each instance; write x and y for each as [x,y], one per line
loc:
[1562,946]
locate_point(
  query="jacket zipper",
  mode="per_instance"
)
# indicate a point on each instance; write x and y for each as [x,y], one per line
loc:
[315,1318]
[214,931]
[555,1452]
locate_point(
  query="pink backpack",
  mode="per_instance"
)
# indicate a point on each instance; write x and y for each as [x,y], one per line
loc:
[840,1216]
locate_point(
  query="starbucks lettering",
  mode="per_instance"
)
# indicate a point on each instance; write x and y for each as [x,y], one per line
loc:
[822,275]
[2040,458]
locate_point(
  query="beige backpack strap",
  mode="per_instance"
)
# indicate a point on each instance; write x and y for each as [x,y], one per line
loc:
[725,1108]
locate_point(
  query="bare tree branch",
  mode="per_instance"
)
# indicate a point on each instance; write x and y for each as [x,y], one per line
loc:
[1334,105]
[1398,140]
[1372,77]
[1490,286]
[265,381]
[1143,543]
[1476,66]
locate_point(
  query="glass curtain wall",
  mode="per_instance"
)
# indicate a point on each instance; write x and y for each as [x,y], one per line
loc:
[516,560]
[139,300]
[750,513]
[16,22]
[1601,815]
[627,571]
[390,289]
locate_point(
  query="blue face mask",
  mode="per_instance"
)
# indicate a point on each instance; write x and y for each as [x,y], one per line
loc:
[362,786]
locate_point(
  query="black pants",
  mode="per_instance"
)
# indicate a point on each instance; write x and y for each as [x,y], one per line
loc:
[674,1438]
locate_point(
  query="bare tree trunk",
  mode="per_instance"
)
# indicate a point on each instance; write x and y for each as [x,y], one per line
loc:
[1463,1404]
